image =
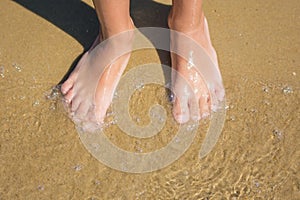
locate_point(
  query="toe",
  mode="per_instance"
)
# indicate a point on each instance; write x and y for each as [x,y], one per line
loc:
[181,110]
[69,96]
[194,109]
[204,103]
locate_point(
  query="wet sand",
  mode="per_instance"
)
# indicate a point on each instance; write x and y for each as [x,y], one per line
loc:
[256,157]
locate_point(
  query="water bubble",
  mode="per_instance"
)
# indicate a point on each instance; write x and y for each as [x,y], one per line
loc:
[136,119]
[116,95]
[191,127]
[54,93]
[52,106]
[205,115]
[266,102]
[140,86]
[36,103]
[265,89]
[256,183]
[77,167]
[229,106]
[110,113]
[172,98]
[41,187]
[287,90]
[97,182]
[17,67]
[278,134]
[2,71]
[232,118]
[139,149]
[114,121]
[111,122]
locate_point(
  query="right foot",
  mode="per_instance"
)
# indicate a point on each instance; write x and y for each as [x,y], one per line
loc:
[193,98]
[89,89]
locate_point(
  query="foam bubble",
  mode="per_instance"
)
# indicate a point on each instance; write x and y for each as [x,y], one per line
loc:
[77,167]
[287,90]
[2,71]
[17,67]
[36,103]
[265,89]
[41,187]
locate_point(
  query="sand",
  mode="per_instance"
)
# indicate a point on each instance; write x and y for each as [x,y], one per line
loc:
[257,154]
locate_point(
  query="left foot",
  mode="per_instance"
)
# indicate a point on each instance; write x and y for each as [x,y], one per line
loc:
[89,90]
[193,98]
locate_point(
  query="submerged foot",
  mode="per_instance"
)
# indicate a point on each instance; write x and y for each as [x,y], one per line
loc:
[193,98]
[89,89]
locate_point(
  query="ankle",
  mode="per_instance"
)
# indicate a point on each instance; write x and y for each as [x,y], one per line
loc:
[111,29]
[181,24]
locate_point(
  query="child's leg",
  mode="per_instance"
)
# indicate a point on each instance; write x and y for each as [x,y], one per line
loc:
[114,18]
[187,17]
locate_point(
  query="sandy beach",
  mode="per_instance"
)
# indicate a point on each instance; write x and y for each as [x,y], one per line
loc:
[256,157]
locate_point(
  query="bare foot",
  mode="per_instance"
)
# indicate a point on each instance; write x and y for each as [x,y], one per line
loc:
[193,98]
[89,89]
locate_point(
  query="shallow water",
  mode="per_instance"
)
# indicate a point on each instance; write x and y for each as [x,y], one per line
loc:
[256,156]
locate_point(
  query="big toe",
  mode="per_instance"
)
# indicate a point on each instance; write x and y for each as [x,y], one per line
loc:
[181,110]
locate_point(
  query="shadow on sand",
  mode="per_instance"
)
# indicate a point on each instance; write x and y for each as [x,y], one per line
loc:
[79,20]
